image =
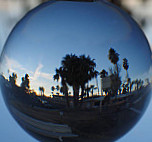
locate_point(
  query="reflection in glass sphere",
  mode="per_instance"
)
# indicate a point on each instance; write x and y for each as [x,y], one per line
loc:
[76,71]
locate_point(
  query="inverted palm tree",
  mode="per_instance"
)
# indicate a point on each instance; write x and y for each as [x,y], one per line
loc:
[86,72]
[13,78]
[128,84]
[57,88]
[103,73]
[126,66]
[131,85]
[76,72]
[27,81]
[115,79]
[60,73]
[114,58]
[87,90]
[41,89]
[92,88]
[52,88]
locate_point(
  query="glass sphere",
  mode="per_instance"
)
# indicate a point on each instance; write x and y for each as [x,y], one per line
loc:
[76,71]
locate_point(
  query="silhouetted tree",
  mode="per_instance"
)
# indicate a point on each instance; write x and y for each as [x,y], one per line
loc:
[128,84]
[57,88]
[27,81]
[76,72]
[92,88]
[124,89]
[22,83]
[13,78]
[126,66]
[103,73]
[53,88]
[87,91]
[61,73]
[114,58]
[131,85]
[86,72]
[41,89]
[115,79]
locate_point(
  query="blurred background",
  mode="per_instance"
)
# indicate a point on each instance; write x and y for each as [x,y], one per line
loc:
[11,11]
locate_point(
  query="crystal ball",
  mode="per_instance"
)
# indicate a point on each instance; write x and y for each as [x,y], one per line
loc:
[76,71]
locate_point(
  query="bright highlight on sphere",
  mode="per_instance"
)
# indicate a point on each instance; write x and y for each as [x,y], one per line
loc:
[76,71]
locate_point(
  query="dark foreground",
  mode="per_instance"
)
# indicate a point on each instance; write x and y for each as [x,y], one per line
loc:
[98,123]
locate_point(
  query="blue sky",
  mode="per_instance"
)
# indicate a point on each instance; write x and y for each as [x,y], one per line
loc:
[41,40]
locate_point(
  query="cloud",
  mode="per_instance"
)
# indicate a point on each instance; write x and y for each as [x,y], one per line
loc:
[37,77]
[15,66]
[38,73]
[46,75]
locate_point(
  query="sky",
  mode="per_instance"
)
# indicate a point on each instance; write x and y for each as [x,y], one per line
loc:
[45,64]
[40,41]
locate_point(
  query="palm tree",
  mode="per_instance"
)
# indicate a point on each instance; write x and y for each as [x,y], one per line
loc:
[27,81]
[87,91]
[128,84]
[43,90]
[103,73]
[57,88]
[40,89]
[96,75]
[114,58]
[115,79]
[92,87]
[22,83]
[86,72]
[126,66]
[131,85]
[76,72]
[60,73]
[52,88]
[13,78]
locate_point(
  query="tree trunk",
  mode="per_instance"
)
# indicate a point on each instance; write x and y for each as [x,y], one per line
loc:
[87,91]
[92,92]
[82,92]
[67,97]
[76,95]
[65,92]
[126,74]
